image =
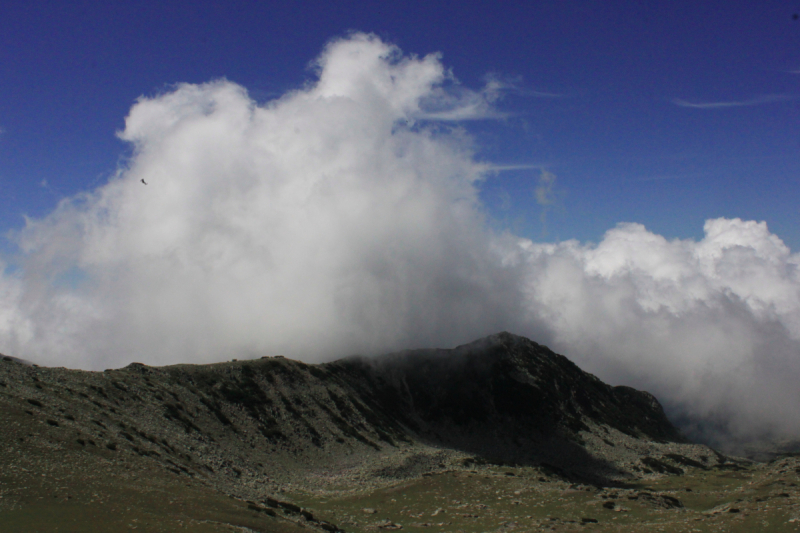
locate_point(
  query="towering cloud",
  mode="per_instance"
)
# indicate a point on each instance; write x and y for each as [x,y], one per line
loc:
[344,217]
[322,223]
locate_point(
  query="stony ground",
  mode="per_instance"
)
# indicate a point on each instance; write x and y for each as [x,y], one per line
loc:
[279,449]
[755,497]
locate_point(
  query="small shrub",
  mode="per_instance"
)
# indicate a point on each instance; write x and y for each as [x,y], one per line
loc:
[37,403]
[52,422]
[112,446]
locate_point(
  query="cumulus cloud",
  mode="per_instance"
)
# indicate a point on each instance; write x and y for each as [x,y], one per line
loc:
[334,220]
[322,223]
[711,327]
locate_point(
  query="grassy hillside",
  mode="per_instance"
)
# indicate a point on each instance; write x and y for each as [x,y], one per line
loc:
[501,431]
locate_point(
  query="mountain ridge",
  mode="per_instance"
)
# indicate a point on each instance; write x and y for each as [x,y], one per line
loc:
[273,421]
[272,433]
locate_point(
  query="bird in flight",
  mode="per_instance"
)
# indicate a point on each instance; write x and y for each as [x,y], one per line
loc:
[144,181]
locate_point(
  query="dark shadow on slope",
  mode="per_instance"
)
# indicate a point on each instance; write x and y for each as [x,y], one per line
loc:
[505,399]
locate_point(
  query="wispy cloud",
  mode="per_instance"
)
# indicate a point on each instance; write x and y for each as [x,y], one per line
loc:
[544,190]
[759,100]
[523,166]
[546,195]
[456,104]
[664,177]
[462,114]
[539,94]
[516,87]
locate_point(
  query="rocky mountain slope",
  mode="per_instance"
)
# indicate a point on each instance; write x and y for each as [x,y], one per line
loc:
[502,390]
[253,429]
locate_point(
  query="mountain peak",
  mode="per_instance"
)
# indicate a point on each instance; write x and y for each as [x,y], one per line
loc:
[504,381]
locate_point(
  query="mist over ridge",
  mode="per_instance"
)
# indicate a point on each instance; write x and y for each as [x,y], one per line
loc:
[344,217]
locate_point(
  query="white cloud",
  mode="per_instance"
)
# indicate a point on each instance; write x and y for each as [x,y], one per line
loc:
[331,221]
[711,327]
[319,224]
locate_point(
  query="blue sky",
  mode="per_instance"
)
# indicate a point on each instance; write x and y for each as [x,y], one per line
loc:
[596,99]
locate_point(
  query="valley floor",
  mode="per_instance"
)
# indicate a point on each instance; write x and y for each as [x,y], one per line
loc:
[761,497]
[50,482]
